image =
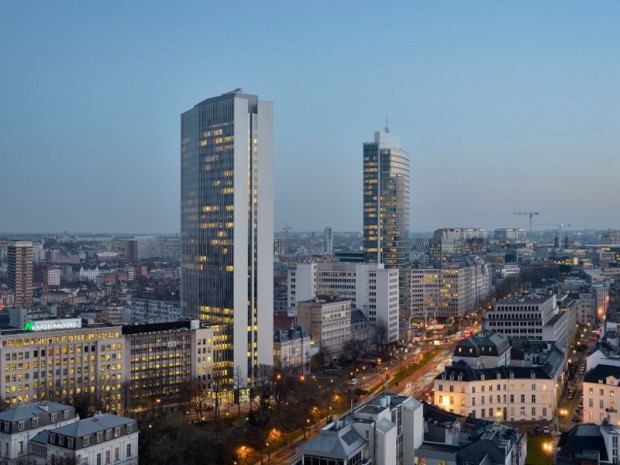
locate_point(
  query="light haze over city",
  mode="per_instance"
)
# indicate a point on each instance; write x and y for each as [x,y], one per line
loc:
[502,107]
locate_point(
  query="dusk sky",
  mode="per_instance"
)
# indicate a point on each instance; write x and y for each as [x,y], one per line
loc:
[502,106]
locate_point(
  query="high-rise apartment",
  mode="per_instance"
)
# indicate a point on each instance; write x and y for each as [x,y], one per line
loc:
[20,272]
[227,228]
[386,201]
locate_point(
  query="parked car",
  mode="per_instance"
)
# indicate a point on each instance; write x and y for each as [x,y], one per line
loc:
[546,429]
[575,418]
[353,381]
[571,394]
[537,429]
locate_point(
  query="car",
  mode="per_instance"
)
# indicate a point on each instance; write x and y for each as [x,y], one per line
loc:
[353,381]
[575,418]
[546,429]
[537,429]
[571,395]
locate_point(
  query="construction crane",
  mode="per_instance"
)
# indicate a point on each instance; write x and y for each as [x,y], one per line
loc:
[286,229]
[530,213]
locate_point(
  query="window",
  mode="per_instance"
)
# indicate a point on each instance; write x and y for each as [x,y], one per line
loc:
[128,449]
[35,422]
[70,443]
[117,432]
[99,437]
[98,459]
[522,398]
[117,454]
[20,447]
[53,417]
[107,456]
[85,441]
[20,425]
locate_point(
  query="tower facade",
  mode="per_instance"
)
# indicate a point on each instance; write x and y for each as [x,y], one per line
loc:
[19,255]
[386,201]
[227,229]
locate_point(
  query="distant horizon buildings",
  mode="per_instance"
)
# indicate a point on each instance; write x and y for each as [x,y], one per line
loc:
[227,228]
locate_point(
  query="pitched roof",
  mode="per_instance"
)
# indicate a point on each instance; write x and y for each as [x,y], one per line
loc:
[580,439]
[340,444]
[26,411]
[92,425]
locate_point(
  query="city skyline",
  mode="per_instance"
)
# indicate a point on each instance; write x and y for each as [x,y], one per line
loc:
[501,108]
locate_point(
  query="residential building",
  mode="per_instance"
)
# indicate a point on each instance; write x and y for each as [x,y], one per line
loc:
[227,228]
[601,394]
[386,430]
[98,440]
[386,201]
[588,445]
[486,381]
[509,235]
[451,439]
[393,429]
[19,272]
[371,288]
[131,250]
[51,276]
[328,320]
[22,423]
[293,348]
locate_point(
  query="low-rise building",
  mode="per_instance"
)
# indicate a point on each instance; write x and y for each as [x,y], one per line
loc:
[20,424]
[293,348]
[601,394]
[588,445]
[484,381]
[101,439]
[328,321]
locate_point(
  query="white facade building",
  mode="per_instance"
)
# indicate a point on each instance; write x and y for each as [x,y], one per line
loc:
[103,439]
[20,424]
[328,322]
[484,382]
[370,287]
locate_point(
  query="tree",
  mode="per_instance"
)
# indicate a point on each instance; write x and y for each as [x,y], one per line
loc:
[381,332]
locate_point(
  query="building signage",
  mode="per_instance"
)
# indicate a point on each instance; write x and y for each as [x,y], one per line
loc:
[48,325]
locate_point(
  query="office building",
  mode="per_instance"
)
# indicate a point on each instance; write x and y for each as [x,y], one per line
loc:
[328,320]
[19,272]
[531,317]
[57,359]
[448,243]
[386,201]
[449,292]
[227,228]
[370,287]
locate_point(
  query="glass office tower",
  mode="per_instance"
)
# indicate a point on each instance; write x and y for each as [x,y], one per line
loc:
[386,201]
[227,229]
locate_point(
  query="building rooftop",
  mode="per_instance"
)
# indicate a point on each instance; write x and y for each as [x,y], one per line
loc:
[482,343]
[24,412]
[92,425]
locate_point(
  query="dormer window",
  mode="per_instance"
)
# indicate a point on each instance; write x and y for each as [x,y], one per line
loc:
[499,376]
[52,438]
[85,441]
[99,437]
[20,425]
[6,427]
[129,428]
[443,376]
[70,443]
[451,376]
[35,422]
[482,376]
[65,414]
[533,374]
[512,375]
[53,417]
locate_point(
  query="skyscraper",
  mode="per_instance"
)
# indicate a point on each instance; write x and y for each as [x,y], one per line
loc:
[20,272]
[328,241]
[386,201]
[227,228]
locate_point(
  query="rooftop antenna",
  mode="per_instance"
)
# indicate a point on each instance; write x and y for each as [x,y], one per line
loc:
[387,127]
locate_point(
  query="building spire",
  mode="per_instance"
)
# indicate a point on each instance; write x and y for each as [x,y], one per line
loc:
[387,127]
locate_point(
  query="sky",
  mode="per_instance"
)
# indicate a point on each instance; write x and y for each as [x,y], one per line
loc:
[503,106]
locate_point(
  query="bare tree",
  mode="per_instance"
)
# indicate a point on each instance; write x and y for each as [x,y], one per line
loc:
[381,332]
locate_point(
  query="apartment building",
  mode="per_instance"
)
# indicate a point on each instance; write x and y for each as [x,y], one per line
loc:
[328,321]
[99,440]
